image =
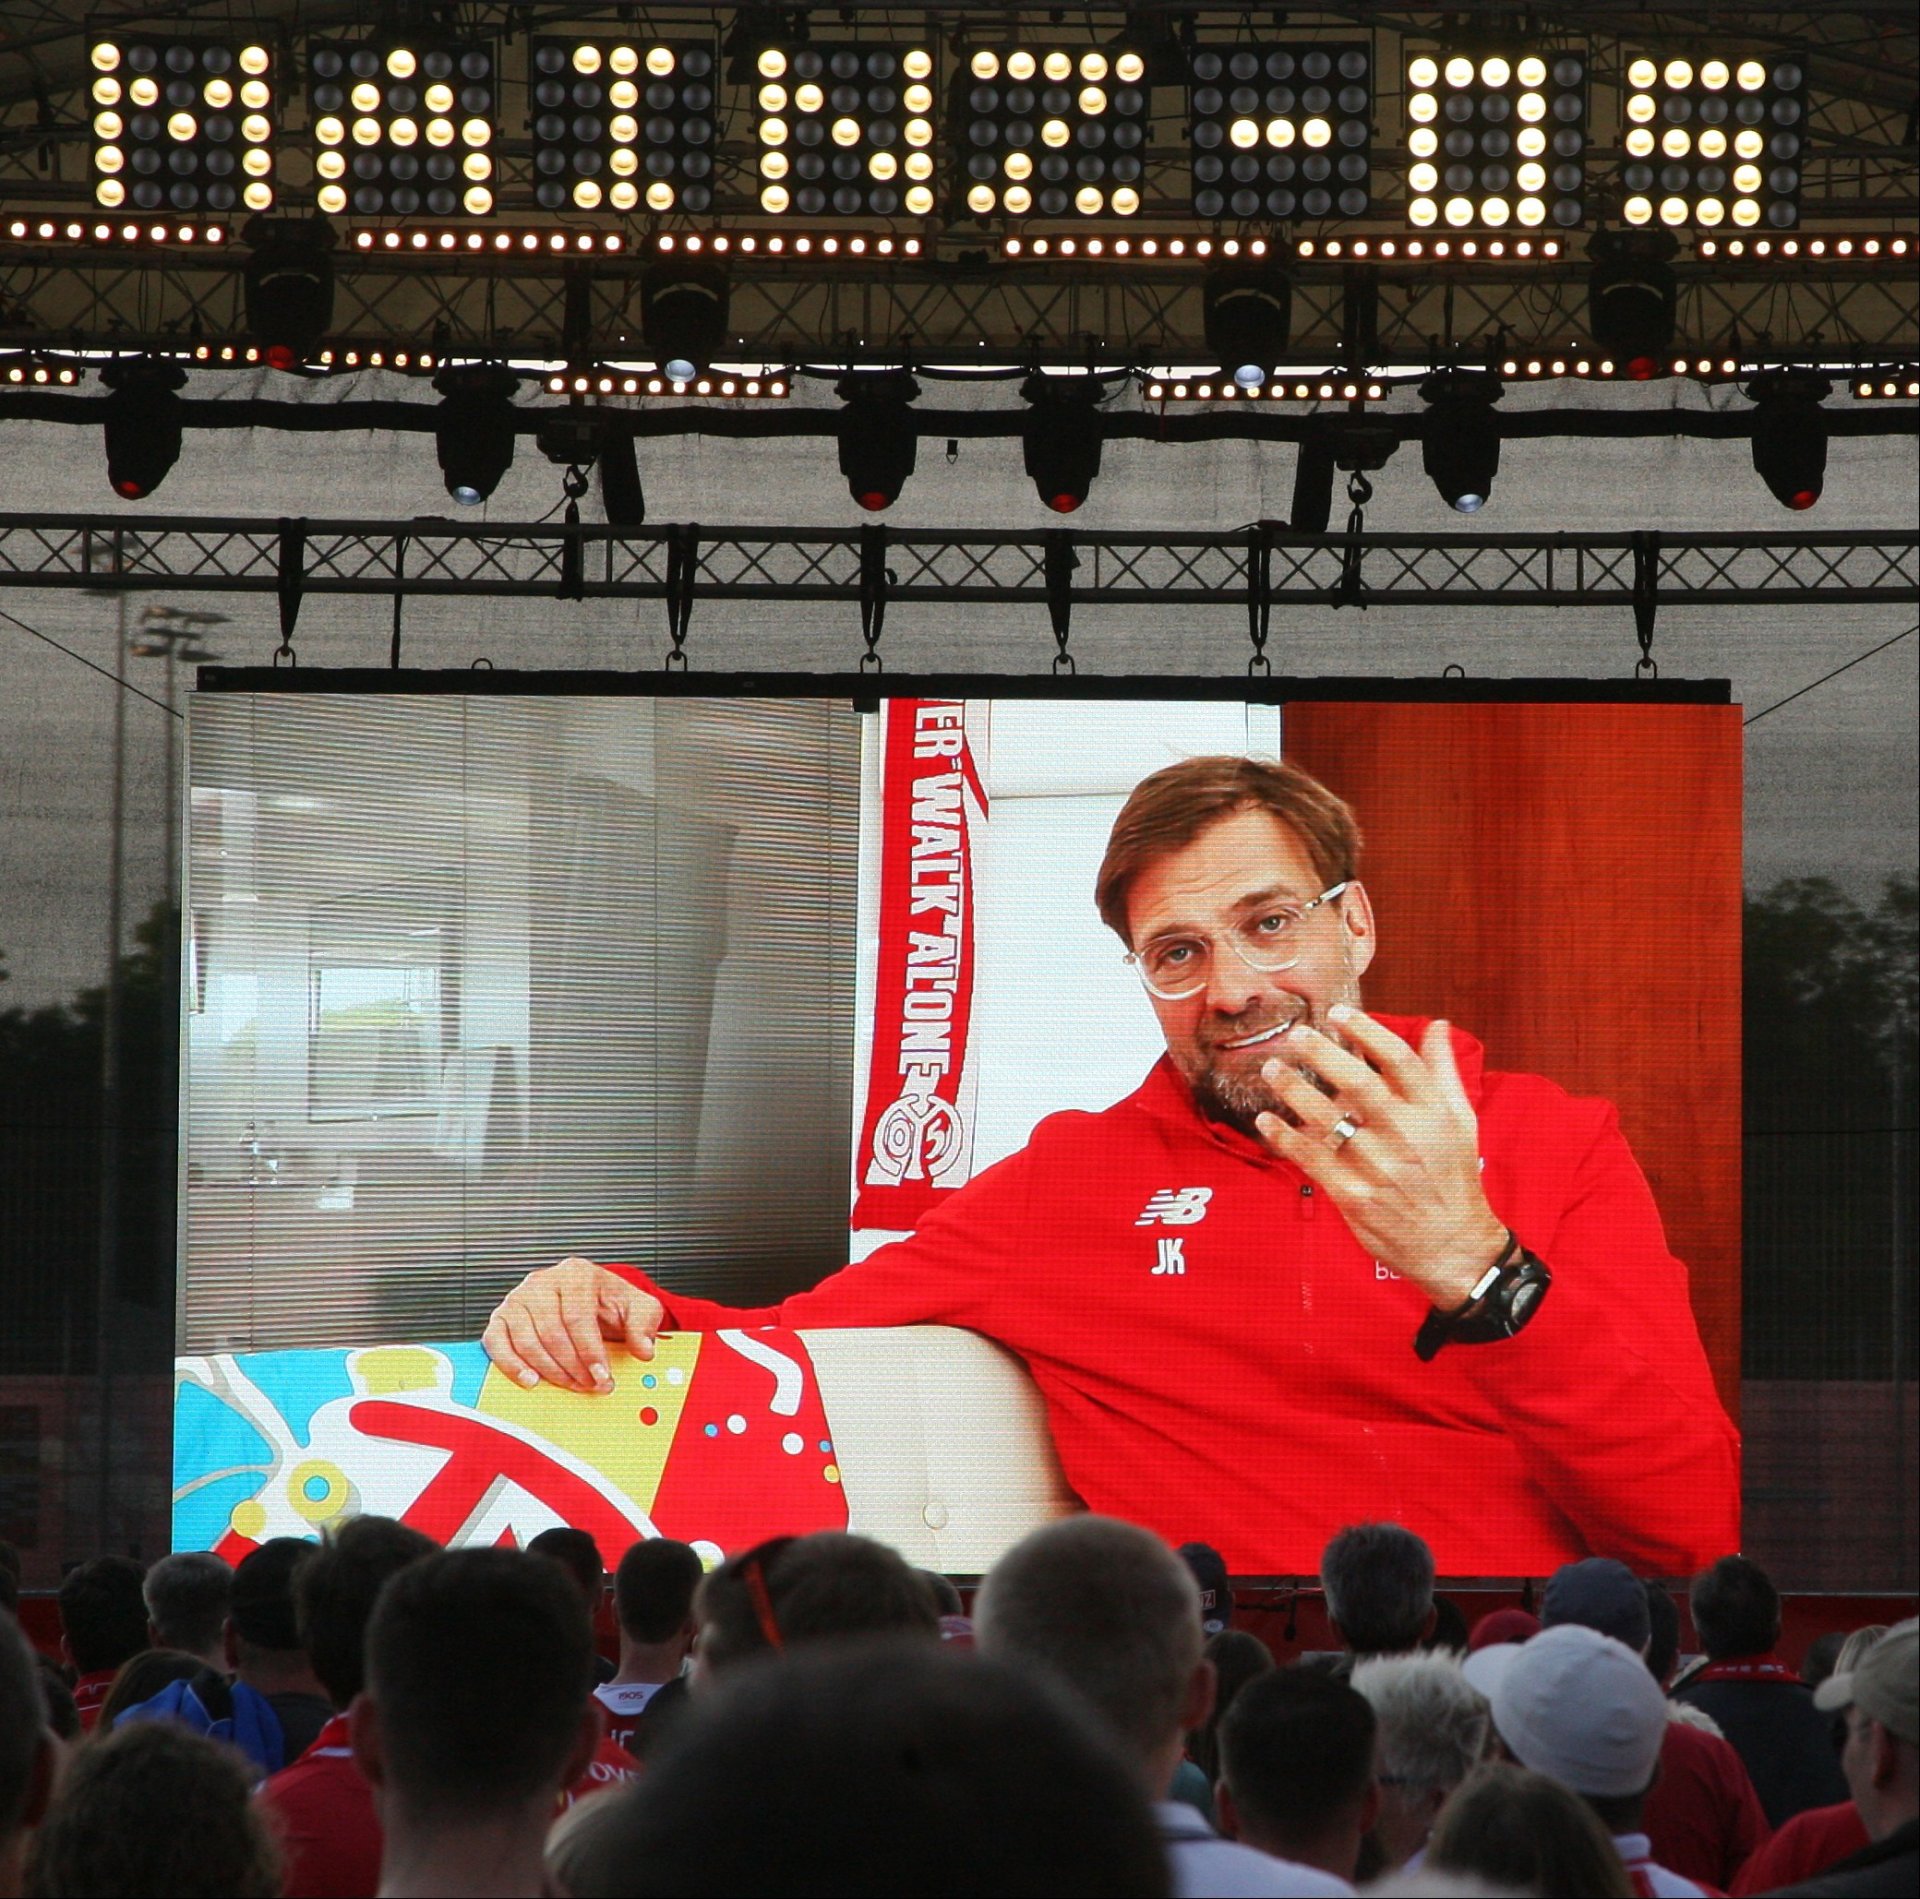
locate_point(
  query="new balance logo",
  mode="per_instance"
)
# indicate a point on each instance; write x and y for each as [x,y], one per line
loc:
[1172,1259]
[1176,1206]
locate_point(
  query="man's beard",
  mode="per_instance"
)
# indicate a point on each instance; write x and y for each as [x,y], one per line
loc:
[1240,1098]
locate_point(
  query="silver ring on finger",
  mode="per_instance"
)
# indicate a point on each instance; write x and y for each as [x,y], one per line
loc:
[1342,1131]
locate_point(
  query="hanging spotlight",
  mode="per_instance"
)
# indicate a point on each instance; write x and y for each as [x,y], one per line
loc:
[1060,441]
[878,441]
[683,316]
[289,286]
[1790,436]
[143,416]
[1631,299]
[1460,448]
[1247,312]
[473,435]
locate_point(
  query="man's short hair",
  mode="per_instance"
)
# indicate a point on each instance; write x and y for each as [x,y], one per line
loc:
[1663,1632]
[793,1590]
[946,1598]
[480,1664]
[334,1591]
[1168,810]
[1433,1724]
[577,1553]
[263,1610]
[153,1807]
[653,1589]
[1378,1579]
[1736,1608]
[187,1596]
[103,1613]
[1296,1750]
[1107,1608]
[896,1767]
[23,1721]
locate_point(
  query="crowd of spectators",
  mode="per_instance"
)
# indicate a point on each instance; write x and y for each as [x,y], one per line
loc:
[371,1713]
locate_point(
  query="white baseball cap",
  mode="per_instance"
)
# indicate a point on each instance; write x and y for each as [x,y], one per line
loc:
[1485,1667]
[1582,1709]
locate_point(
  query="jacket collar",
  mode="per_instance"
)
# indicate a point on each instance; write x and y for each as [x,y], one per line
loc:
[1164,1094]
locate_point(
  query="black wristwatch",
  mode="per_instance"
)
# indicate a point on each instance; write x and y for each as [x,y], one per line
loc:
[1505,1298]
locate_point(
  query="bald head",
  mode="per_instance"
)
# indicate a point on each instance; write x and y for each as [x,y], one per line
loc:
[1110,1610]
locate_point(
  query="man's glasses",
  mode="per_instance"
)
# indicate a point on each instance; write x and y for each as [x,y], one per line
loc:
[1175,967]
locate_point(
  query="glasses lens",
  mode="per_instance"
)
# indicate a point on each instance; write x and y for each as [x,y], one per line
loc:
[1175,968]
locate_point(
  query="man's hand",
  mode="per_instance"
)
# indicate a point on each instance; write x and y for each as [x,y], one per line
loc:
[554,1325]
[1408,1180]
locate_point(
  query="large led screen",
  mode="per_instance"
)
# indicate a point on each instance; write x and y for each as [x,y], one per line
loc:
[715,1116]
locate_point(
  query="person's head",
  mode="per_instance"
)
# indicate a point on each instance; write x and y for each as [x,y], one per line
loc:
[1502,1625]
[334,1591]
[579,1555]
[1598,1593]
[795,1590]
[1433,1728]
[1237,1659]
[946,1598]
[653,1591]
[26,1749]
[1881,1754]
[1736,1608]
[456,1638]
[1378,1579]
[1297,1768]
[1663,1633]
[141,1677]
[1522,1832]
[103,1616]
[1210,1577]
[876,1769]
[153,1807]
[187,1596]
[262,1625]
[1449,1631]
[1579,1707]
[1107,1608]
[1220,855]
[1822,1653]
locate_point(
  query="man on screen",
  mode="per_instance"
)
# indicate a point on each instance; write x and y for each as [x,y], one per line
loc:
[1320,1267]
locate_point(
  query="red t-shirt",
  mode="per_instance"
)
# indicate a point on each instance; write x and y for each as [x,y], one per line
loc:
[1168,1385]
[1703,1816]
[623,1704]
[611,1766]
[89,1692]
[325,1818]
[1804,1848]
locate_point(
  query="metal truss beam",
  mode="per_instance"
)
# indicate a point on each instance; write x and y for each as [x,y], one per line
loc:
[1254,571]
[952,312]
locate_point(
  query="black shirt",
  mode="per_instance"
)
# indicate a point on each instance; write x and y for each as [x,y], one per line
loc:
[1786,1742]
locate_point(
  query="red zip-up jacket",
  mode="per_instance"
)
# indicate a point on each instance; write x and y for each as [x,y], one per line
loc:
[1259,1390]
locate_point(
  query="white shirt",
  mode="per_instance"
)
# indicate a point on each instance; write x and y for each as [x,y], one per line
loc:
[1651,1879]
[1207,1867]
[627,1698]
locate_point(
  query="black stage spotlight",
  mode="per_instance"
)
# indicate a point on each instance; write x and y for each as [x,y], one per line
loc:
[1460,448]
[1790,436]
[473,435]
[1060,440]
[878,441]
[1247,310]
[289,286]
[683,316]
[1631,294]
[143,416]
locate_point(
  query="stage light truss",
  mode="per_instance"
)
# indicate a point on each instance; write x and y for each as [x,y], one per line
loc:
[1714,142]
[844,130]
[623,125]
[1496,140]
[403,130]
[1050,131]
[181,125]
[1282,130]
[1235,571]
